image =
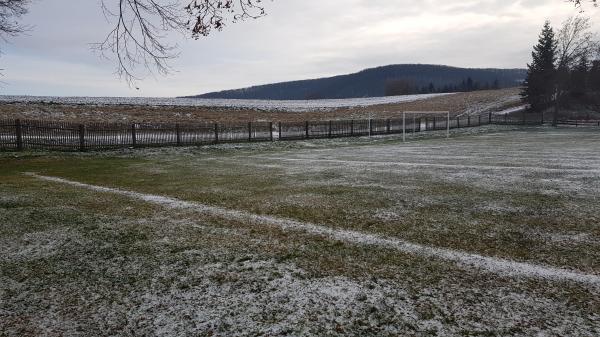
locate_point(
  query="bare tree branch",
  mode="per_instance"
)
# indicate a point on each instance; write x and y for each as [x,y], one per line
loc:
[206,15]
[10,12]
[138,38]
[578,3]
[575,41]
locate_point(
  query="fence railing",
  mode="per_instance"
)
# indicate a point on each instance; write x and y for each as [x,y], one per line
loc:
[47,135]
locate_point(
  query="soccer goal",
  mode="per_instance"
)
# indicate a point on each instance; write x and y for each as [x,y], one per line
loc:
[425,120]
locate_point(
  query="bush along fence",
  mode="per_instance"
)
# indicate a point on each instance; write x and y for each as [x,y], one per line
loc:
[46,135]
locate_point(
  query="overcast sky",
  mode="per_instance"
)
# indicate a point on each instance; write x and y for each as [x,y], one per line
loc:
[298,39]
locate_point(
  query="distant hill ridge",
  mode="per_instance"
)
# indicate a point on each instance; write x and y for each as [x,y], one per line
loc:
[381,81]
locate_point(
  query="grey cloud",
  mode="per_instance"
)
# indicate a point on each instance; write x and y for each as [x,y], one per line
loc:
[297,39]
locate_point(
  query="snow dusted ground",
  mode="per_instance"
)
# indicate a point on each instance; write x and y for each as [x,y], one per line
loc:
[511,110]
[269,105]
[341,237]
[496,106]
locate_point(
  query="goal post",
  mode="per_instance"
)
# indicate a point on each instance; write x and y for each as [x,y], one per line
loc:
[446,114]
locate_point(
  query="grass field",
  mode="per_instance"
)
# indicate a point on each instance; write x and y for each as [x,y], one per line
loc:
[494,232]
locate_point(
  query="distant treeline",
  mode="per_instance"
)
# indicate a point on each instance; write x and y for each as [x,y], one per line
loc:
[582,82]
[382,81]
[408,87]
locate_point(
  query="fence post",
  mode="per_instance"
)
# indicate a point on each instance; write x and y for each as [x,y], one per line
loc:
[19,131]
[329,132]
[370,127]
[249,131]
[542,118]
[434,124]
[490,118]
[216,133]
[133,135]
[388,126]
[178,131]
[457,122]
[81,137]
[414,124]
[352,127]
[469,121]
[479,120]
[426,123]
[306,129]
[271,131]
[404,127]
[279,131]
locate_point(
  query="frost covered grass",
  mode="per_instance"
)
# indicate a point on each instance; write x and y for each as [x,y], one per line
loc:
[75,260]
[498,266]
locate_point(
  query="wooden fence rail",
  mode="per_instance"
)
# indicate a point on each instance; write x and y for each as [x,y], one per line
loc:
[47,135]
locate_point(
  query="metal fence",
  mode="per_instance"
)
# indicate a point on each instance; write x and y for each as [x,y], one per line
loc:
[64,136]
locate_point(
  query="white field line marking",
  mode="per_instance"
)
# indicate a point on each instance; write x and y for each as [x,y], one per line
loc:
[458,166]
[502,267]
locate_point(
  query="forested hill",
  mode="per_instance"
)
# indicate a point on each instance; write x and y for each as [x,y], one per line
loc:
[382,81]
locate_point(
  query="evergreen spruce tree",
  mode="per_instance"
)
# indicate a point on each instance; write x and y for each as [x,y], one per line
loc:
[431,87]
[470,86]
[539,86]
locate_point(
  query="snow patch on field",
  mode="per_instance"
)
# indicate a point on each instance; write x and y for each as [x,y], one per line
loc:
[269,298]
[437,165]
[498,266]
[569,238]
[258,291]
[512,110]
[270,105]
[478,108]
[33,246]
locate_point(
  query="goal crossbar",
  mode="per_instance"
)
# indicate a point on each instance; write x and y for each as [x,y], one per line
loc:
[404,113]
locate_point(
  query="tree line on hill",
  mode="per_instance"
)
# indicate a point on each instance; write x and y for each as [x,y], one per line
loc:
[398,79]
[565,70]
[407,87]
